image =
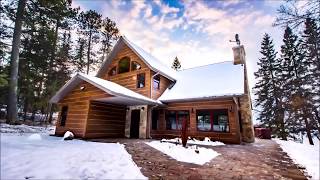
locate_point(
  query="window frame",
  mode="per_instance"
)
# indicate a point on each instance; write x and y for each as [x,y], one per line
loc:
[156,80]
[144,80]
[177,119]
[214,116]
[129,64]
[64,115]
[132,64]
[113,68]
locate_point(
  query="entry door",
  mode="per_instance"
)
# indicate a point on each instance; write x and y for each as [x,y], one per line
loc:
[135,124]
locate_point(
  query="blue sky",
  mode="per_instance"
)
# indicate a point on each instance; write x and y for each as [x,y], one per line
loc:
[197,32]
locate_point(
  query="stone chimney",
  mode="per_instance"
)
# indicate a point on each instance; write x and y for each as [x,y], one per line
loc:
[239,55]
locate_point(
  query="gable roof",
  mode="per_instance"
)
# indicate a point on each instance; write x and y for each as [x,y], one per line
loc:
[152,62]
[213,80]
[122,94]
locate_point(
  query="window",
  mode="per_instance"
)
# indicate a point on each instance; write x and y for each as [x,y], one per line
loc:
[64,113]
[213,120]
[203,120]
[113,71]
[155,118]
[174,119]
[156,82]
[135,66]
[124,65]
[140,80]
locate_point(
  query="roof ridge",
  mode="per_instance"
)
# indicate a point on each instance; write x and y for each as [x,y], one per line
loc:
[204,65]
[150,54]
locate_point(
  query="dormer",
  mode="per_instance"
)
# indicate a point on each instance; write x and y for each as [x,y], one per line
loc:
[132,67]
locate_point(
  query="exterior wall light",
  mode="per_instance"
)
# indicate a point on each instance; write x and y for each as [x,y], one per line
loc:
[82,88]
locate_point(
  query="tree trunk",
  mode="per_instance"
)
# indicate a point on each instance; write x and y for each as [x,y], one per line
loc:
[308,131]
[88,53]
[14,64]
[282,125]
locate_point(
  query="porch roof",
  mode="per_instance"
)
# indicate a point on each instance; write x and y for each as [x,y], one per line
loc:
[121,95]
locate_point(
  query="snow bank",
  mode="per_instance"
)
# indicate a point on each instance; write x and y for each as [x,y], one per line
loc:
[206,141]
[188,154]
[303,154]
[35,137]
[6,128]
[51,158]
[68,136]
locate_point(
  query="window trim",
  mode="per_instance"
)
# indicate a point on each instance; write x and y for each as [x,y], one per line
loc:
[153,80]
[116,70]
[176,119]
[131,66]
[212,115]
[137,81]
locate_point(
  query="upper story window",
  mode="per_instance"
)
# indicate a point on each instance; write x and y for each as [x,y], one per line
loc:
[141,80]
[156,82]
[135,66]
[124,65]
[113,71]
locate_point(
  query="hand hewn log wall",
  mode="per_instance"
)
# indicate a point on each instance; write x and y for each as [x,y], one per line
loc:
[78,106]
[230,137]
[105,120]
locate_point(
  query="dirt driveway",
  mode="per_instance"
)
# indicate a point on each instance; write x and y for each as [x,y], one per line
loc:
[263,159]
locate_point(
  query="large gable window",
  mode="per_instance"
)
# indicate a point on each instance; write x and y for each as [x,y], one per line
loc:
[141,80]
[213,120]
[135,66]
[156,82]
[124,65]
[113,71]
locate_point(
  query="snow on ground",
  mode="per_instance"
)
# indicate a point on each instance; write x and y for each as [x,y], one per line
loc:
[303,154]
[40,156]
[206,141]
[188,154]
[6,128]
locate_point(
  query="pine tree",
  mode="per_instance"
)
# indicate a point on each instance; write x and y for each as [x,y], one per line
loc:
[176,65]
[90,23]
[311,45]
[267,89]
[110,33]
[296,81]
[14,64]
[79,57]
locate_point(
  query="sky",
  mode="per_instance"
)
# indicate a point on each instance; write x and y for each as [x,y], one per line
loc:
[197,32]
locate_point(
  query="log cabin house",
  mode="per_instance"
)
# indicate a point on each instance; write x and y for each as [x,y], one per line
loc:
[134,95]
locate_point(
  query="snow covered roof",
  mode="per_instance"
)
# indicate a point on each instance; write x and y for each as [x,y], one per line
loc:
[152,62]
[122,94]
[214,80]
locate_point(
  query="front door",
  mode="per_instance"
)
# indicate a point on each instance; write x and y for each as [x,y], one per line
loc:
[135,124]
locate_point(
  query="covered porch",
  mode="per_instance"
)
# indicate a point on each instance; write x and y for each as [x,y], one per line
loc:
[95,108]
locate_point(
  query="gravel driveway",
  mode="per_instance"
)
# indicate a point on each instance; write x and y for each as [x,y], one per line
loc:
[263,159]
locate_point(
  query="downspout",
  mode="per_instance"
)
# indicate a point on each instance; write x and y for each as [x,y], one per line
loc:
[151,85]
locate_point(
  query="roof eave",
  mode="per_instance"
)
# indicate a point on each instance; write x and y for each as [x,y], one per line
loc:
[200,98]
